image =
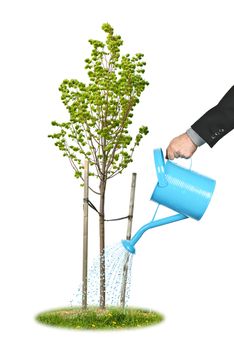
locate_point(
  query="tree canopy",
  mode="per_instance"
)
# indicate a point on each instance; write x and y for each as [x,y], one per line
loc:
[102,109]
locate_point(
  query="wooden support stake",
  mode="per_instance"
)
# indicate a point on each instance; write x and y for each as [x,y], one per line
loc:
[128,236]
[85,235]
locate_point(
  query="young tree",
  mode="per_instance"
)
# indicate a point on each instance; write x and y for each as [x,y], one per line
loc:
[101,112]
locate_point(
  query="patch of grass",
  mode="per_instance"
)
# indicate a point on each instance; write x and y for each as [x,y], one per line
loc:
[94,318]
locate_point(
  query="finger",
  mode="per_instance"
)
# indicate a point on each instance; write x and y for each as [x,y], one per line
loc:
[177,155]
[171,155]
[167,153]
[181,155]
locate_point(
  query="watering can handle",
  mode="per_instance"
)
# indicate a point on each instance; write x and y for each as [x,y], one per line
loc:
[190,165]
[160,167]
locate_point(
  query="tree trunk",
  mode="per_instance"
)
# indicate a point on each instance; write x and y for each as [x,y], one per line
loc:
[85,235]
[102,244]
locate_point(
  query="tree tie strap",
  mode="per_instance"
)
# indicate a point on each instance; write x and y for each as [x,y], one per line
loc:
[91,205]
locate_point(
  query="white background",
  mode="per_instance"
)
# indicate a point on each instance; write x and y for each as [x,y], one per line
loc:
[184,270]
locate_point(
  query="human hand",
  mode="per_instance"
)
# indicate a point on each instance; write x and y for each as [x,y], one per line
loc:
[181,146]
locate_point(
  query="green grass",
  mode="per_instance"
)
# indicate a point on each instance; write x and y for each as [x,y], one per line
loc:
[94,318]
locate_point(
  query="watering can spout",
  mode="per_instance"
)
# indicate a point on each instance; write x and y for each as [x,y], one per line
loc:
[129,245]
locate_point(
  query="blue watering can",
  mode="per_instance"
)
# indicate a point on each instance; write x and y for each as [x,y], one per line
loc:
[180,189]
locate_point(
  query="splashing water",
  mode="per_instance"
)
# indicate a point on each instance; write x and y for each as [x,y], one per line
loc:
[118,266]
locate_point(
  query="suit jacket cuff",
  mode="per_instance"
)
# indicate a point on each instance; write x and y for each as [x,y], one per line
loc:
[218,121]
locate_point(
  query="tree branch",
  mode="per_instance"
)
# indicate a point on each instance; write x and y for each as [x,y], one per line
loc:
[76,169]
[119,131]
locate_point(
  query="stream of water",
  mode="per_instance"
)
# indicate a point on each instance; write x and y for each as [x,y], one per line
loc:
[116,260]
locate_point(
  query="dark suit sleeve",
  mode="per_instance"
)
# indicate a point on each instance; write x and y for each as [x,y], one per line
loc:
[218,121]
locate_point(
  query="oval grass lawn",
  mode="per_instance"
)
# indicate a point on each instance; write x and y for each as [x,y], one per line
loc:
[94,318]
